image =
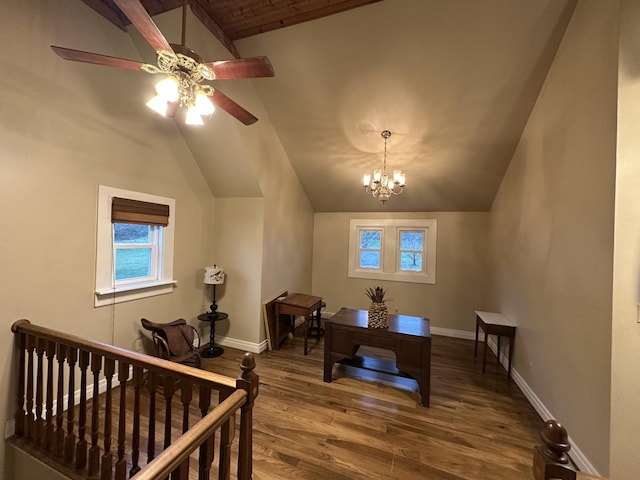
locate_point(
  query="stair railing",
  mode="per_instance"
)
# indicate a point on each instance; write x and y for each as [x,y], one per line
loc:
[74,426]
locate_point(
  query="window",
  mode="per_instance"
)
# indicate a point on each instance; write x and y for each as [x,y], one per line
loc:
[370,249]
[400,250]
[134,246]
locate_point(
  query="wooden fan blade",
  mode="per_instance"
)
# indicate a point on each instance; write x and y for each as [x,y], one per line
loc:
[254,67]
[96,58]
[140,19]
[232,108]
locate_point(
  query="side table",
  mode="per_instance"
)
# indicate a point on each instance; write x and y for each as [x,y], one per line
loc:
[499,325]
[212,350]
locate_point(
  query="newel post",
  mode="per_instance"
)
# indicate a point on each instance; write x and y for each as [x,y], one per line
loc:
[248,381]
[551,460]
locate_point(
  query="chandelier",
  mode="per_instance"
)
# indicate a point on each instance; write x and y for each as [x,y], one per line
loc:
[182,85]
[379,184]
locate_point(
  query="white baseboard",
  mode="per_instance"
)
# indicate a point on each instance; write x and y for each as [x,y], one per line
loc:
[576,454]
[241,344]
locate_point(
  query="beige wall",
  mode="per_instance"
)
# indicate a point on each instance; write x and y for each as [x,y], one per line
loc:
[461,269]
[238,248]
[66,128]
[551,233]
[625,364]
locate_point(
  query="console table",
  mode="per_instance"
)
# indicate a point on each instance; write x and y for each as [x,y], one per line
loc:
[495,324]
[408,337]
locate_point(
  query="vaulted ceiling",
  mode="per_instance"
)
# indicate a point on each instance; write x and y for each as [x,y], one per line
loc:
[454,81]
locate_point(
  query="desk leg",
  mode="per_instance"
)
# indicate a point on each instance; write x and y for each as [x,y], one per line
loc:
[475,354]
[484,352]
[307,319]
[328,363]
[276,341]
[498,352]
[511,338]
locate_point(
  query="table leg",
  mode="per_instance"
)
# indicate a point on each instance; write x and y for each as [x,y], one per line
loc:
[510,356]
[498,352]
[212,350]
[277,339]
[307,319]
[484,352]
[475,354]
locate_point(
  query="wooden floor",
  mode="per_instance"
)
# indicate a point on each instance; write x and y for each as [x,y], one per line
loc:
[371,426]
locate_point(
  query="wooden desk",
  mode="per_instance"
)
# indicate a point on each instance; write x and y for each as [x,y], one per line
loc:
[408,337]
[495,324]
[298,305]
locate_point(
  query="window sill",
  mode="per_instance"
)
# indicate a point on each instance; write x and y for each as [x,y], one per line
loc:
[392,276]
[126,293]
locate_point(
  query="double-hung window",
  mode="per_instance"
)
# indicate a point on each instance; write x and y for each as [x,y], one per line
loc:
[400,250]
[135,245]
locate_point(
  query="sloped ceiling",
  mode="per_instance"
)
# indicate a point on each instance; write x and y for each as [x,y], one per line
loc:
[454,81]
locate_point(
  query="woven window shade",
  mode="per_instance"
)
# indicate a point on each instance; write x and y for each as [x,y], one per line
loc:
[124,210]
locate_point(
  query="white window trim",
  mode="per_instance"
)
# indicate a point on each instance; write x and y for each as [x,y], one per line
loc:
[391,250]
[106,293]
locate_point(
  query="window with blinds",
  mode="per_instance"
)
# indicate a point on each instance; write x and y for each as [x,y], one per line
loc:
[135,245]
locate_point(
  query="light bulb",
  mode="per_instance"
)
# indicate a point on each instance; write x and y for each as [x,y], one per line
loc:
[168,89]
[193,117]
[366,179]
[401,180]
[396,176]
[204,106]
[377,175]
[159,105]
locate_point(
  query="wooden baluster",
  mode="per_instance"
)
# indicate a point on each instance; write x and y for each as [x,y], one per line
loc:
[207,448]
[49,428]
[30,432]
[70,440]
[94,451]
[168,386]
[248,381]
[40,349]
[138,383]
[107,458]
[152,385]
[81,447]
[121,464]
[227,432]
[59,433]
[186,394]
[21,414]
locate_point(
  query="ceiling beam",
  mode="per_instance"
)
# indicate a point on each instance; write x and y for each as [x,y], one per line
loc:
[213,27]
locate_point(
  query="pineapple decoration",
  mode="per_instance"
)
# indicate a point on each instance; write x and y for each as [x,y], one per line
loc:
[378,315]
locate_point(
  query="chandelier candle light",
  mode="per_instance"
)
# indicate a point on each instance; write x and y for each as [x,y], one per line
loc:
[379,184]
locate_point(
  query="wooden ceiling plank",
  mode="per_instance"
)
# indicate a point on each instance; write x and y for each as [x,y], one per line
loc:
[299,18]
[109,13]
[214,28]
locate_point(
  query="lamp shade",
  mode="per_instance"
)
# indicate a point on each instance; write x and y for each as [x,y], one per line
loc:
[213,275]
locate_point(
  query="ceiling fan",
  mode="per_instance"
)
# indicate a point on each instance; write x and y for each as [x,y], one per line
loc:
[184,69]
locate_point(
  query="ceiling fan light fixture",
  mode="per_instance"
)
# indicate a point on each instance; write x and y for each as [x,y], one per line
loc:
[203,104]
[193,117]
[168,89]
[158,105]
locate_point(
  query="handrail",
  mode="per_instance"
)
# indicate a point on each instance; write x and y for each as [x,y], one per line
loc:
[178,451]
[80,435]
[134,358]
